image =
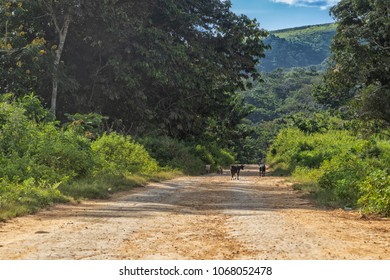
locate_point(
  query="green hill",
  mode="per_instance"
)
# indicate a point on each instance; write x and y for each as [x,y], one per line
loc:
[298,47]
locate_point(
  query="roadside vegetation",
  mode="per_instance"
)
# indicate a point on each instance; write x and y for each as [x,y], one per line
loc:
[43,162]
[338,168]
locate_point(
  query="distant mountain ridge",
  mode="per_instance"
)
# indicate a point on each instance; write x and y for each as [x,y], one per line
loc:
[298,47]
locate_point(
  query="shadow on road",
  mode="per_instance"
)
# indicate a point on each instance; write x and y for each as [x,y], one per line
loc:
[198,196]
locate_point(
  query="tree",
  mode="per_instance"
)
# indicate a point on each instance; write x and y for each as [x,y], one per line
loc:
[22,48]
[30,44]
[162,65]
[361,59]
[61,14]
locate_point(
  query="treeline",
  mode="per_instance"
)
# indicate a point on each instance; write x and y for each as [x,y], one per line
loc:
[341,155]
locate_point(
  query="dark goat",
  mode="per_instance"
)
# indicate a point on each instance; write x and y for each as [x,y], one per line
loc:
[262,169]
[235,170]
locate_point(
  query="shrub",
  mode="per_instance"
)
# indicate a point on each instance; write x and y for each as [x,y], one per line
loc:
[34,110]
[32,146]
[65,152]
[375,193]
[204,154]
[15,129]
[341,177]
[286,148]
[27,197]
[174,154]
[295,148]
[88,125]
[306,174]
[117,155]
[348,171]
[212,154]
[41,162]
[224,157]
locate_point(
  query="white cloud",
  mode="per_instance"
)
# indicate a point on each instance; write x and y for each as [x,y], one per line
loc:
[322,4]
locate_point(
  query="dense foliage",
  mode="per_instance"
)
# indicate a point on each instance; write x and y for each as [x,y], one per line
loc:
[42,162]
[284,98]
[360,75]
[339,150]
[157,66]
[163,73]
[189,157]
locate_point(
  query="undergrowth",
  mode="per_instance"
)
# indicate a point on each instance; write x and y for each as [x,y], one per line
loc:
[336,167]
[43,162]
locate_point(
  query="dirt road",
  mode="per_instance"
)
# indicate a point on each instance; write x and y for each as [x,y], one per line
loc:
[203,218]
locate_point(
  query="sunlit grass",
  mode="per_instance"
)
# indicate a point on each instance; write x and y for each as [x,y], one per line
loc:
[15,201]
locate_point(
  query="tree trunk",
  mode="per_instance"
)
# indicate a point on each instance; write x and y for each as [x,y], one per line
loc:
[62,36]
[6,34]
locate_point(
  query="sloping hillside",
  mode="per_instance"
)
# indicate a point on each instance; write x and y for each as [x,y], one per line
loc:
[298,47]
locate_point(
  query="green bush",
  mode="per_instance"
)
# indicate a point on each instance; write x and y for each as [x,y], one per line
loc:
[375,193]
[341,177]
[212,154]
[41,162]
[224,157]
[27,197]
[375,187]
[39,150]
[346,170]
[172,153]
[15,129]
[88,125]
[382,152]
[65,152]
[295,148]
[117,155]
[204,154]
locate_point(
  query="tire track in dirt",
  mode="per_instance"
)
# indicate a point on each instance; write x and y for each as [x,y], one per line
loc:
[196,229]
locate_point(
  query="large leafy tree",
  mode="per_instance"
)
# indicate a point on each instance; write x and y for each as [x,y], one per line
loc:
[361,59]
[161,66]
[60,14]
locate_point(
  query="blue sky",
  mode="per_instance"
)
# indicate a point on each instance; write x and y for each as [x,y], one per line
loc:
[279,14]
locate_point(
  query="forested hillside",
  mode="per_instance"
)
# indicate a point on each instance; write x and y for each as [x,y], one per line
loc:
[283,98]
[298,47]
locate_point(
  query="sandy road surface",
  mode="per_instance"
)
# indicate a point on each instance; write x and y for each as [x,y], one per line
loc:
[209,217]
